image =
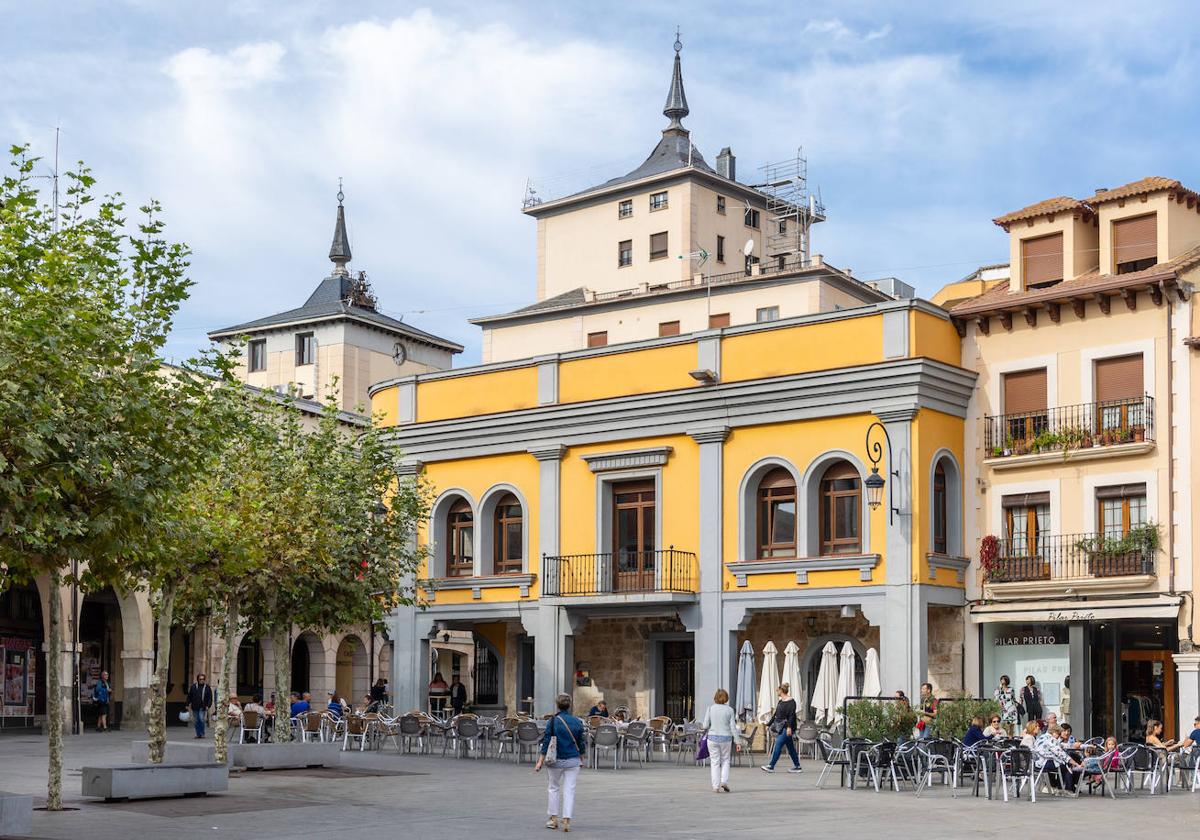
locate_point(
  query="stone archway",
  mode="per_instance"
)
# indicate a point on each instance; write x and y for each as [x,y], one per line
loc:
[308,664]
[351,674]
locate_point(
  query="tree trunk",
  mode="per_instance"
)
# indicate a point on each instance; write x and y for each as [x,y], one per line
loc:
[54,717]
[283,681]
[156,724]
[221,725]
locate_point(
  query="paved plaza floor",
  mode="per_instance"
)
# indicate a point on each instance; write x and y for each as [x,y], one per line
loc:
[383,795]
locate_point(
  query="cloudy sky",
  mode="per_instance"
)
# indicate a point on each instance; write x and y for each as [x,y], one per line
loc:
[920,121]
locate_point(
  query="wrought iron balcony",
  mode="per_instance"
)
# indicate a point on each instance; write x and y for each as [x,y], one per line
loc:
[1072,557]
[1080,428]
[622,572]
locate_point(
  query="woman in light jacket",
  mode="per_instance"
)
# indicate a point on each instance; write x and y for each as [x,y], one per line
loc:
[720,727]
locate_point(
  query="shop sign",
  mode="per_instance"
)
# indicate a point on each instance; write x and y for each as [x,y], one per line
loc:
[1072,615]
[1032,635]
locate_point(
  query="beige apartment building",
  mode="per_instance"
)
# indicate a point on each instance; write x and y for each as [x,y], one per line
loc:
[1079,468]
[337,335]
[674,247]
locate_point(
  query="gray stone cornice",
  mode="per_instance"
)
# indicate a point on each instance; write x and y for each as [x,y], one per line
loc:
[906,384]
[410,468]
[548,452]
[897,415]
[478,584]
[946,561]
[718,434]
[802,566]
[654,456]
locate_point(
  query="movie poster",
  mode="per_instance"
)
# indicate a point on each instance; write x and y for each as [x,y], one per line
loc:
[14,677]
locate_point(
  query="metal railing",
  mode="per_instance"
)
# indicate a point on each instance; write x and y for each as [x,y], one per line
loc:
[664,570]
[1069,557]
[1069,427]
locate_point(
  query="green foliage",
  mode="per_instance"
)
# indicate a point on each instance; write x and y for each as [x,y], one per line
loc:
[881,720]
[1144,539]
[954,714]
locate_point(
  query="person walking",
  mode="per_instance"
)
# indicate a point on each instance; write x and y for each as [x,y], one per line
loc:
[1006,697]
[200,700]
[100,697]
[720,728]
[783,724]
[1031,700]
[570,747]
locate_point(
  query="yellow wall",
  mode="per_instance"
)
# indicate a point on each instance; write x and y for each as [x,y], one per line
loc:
[634,372]
[484,393]
[755,355]
[496,632]
[933,430]
[934,338]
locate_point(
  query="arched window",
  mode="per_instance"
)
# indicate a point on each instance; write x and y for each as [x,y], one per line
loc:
[941,513]
[460,560]
[509,541]
[841,510]
[777,515]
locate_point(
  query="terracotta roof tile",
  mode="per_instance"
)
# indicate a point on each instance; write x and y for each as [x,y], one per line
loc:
[1061,204]
[1154,183]
[998,297]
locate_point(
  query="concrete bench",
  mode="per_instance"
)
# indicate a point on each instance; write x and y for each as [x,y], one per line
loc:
[146,781]
[285,756]
[183,752]
[16,814]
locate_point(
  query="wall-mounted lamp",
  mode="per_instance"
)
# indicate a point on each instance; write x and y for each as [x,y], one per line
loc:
[875,482]
[704,376]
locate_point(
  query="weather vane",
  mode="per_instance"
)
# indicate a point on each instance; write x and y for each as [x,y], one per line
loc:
[678,43]
[341,196]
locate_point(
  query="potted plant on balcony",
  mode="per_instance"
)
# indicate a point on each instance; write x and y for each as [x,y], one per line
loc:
[1046,441]
[1131,554]
[1139,433]
[989,557]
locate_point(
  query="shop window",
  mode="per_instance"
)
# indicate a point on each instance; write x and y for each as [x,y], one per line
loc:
[777,515]
[508,555]
[460,560]
[841,509]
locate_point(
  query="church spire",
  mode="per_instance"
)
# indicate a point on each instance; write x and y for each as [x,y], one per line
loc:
[339,251]
[676,108]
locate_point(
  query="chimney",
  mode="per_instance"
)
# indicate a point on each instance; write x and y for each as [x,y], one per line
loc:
[727,164]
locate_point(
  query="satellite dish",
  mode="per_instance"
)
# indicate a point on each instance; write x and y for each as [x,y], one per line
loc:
[748,248]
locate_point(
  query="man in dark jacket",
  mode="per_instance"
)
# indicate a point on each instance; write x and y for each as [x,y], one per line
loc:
[458,695]
[200,700]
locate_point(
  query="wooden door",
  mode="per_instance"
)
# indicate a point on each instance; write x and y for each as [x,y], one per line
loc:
[633,536]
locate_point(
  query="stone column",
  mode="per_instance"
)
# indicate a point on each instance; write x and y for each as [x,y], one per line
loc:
[1081,676]
[137,666]
[549,457]
[554,654]
[904,632]
[1187,666]
[712,666]
[411,631]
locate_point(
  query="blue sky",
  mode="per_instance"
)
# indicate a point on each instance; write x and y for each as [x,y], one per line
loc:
[920,122]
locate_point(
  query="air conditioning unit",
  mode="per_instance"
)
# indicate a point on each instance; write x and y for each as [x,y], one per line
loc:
[280,389]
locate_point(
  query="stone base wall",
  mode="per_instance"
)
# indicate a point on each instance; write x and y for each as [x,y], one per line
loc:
[616,651]
[512,653]
[947,636]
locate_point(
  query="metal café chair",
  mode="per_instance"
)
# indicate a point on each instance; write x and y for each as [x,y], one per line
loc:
[251,724]
[939,756]
[838,757]
[357,729]
[687,742]
[806,736]
[466,734]
[879,761]
[637,737]
[311,727]
[412,729]
[528,739]
[1143,762]
[1016,768]
[660,734]
[607,738]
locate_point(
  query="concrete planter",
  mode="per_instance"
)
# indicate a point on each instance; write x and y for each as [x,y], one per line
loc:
[285,756]
[16,814]
[182,752]
[147,781]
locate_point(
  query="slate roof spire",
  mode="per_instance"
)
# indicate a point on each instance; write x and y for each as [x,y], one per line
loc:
[339,251]
[676,108]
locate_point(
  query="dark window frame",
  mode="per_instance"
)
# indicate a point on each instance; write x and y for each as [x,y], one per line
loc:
[625,208]
[508,512]
[720,249]
[840,481]
[721,204]
[941,510]
[256,355]
[752,218]
[460,531]
[625,253]
[666,249]
[660,200]
[776,487]
[306,349]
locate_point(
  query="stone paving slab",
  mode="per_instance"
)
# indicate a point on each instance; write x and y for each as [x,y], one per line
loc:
[486,799]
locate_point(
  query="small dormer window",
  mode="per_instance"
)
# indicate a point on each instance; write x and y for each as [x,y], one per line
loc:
[1135,243]
[625,209]
[658,200]
[1042,261]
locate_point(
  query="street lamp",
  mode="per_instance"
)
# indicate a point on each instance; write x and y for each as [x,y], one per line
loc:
[875,482]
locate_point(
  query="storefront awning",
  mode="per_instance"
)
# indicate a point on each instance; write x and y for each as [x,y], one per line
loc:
[1051,611]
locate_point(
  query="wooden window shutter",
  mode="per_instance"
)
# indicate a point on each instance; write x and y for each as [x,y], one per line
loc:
[719,320]
[1042,259]
[1135,239]
[597,339]
[1025,500]
[1121,491]
[1025,391]
[668,328]
[1119,378]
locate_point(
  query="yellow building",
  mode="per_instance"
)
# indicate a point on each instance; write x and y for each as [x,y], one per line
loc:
[1079,442]
[618,519]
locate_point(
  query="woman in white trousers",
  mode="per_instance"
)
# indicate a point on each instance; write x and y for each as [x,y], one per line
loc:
[720,727]
[570,743]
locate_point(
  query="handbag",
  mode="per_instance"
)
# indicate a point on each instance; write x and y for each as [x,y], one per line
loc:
[551,757]
[702,750]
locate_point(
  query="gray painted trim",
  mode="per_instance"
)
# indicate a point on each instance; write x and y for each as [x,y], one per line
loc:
[406,397]
[747,502]
[946,561]
[437,529]
[547,382]
[718,434]
[954,501]
[410,468]
[865,563]
[865,311]
[906,384]
[604,520]
[618,599]
[548,452]
[895,334]
[708,353]
[476,584]
[654,456]
[498,611]
[808,497]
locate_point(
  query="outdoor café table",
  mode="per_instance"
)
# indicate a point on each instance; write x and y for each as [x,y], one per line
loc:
[989,757]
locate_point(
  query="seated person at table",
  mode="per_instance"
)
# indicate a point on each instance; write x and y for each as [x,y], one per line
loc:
[974,732]
[299,706]
[600,709]
[994,729]
[334,708]
[369,704]
[1060,768]
[1029,736]
[235,710]
[255,705]
[1154,733]
[1193,737]
[1068,736]
[1094,761]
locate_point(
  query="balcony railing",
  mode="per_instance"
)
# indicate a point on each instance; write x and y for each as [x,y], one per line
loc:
[1073,556]
[1069,427]
[622,572]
